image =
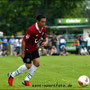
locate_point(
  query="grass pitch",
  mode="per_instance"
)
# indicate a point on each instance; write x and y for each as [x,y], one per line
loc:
[55,72]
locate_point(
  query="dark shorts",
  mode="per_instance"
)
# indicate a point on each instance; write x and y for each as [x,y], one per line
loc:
[30,56]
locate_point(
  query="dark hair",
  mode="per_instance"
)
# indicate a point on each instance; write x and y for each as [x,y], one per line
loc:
[39,17]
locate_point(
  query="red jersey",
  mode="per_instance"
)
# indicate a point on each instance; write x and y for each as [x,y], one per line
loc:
[32,37]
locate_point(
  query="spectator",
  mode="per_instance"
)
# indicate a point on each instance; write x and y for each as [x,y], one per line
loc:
[1,53]
[49,46]
[12,44]
[5,45]
[81,42]
[42,51]
[5,52]
[54,40]
[58,46]
[62,42]
[54,51]
[20,41]
[0,44]
[17,47]
[84,51]
[63,51]
[76,43]
[88,44]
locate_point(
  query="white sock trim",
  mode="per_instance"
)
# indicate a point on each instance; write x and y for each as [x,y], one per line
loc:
[19,70]
[31,72]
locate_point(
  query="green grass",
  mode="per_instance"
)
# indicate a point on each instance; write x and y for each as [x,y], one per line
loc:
[55,72]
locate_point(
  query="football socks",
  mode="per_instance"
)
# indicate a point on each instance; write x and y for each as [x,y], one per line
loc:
[19,70]
[30,73]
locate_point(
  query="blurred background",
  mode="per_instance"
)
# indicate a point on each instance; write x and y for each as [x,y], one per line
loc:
[65,18]
[16,16]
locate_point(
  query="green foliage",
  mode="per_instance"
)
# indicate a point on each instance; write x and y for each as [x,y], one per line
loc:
[19,15]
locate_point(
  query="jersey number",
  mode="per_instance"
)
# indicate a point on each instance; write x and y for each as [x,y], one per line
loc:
[36,41]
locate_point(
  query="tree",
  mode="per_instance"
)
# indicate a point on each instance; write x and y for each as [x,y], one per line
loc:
[19,15]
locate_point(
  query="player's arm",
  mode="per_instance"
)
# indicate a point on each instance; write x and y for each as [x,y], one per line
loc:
[23,49]
[24,40]
[45,39]
[45,42]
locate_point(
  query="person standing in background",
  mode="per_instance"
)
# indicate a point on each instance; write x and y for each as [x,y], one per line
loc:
[17,47]
[62,42]
[76,43]
[58,45]
[88,44]
[20,41]
[5,45]
[54,40]
[12,44]
[81,41]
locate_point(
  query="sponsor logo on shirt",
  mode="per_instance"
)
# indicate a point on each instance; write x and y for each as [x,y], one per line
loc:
[27,36]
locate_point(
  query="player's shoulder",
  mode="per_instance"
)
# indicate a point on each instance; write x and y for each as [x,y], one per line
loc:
[31,28]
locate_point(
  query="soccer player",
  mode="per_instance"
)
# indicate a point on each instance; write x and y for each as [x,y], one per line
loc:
[30,51]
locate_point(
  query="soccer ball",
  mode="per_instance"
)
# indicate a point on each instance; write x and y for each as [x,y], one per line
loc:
[83,80]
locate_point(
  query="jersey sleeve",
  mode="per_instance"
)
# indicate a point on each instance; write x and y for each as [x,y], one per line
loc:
[27,35]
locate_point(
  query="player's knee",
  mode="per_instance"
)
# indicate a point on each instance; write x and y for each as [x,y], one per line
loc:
[37,64]
[28,66]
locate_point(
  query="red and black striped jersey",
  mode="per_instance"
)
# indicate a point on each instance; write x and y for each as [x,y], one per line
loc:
[32,37]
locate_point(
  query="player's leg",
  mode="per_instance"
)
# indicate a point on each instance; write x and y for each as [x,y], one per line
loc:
[26,82]
[21,69]
[36,63]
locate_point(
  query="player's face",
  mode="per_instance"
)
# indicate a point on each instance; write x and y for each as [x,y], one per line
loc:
[42,22]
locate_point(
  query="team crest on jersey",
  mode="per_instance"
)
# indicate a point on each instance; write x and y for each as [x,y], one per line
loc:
[27,36]
[28,59]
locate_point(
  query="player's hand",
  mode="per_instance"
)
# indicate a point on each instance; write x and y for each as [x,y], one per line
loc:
[44,44]
[22,55]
